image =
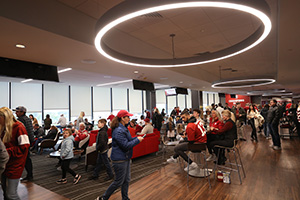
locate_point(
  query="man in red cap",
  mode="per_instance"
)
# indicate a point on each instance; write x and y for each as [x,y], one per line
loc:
[148,128]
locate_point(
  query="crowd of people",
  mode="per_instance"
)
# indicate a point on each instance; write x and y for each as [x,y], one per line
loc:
[217,126]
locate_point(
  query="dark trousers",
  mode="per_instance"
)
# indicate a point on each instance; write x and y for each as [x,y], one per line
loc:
[275,135]
[253,133]
[266,131]
[36,144]
[179,151]
[103,159]
[211,138]
[65,167]
[298,128]
[225,143]
[122,179]
[28,165]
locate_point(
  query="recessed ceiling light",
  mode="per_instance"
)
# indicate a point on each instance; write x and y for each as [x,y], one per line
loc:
[114,83]
[136,72]
[164,78]
[129,10]
[64,70]
[20,46]
[181,82]
[27,80]
[88,61]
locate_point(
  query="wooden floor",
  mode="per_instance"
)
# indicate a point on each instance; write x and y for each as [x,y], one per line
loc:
[270,175]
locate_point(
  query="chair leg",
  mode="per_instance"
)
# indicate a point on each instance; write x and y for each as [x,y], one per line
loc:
[41,151]
[216,165]
[238,152]
[86,167]
[188,169]
[206,172]
[238,169]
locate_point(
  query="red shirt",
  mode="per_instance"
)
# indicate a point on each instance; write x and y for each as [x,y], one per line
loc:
[196,132]
[17,149]
[216,124]
[80,135]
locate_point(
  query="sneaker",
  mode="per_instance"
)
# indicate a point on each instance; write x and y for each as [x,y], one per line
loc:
[192,167]
[26,179]
[76,179]
[99,198]
[211,158]
[268,138]
[277,148]
[61,181]
[172,160]
[271,145]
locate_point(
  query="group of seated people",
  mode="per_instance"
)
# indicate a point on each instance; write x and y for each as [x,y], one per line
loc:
[222,131]
[40,135]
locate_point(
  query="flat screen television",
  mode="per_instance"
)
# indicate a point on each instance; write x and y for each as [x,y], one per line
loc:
[170,92]
[181,90]
[28,70]
[142,85]
[233,96]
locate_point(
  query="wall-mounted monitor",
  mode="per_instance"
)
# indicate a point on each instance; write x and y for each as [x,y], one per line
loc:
[233,96]
[181,90]
[142,85]
[28,70]
[170,92]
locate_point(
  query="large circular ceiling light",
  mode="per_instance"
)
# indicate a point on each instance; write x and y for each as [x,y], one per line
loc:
[242,83]
[128,10]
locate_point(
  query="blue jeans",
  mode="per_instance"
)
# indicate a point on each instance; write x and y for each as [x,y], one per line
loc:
[122,172]
[36,144]
[275,135]
[266,129]
[10,188]
[102,158]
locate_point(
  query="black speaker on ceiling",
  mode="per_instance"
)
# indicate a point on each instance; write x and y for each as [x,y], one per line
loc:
[28,70]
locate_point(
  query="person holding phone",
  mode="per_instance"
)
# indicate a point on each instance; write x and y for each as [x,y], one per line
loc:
[122,145]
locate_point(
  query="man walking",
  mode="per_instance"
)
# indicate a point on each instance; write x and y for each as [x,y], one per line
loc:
[21,114]
[240,116]
[273,122]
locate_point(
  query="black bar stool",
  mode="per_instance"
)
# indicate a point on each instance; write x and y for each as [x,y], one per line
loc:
[197,148]
[237,158]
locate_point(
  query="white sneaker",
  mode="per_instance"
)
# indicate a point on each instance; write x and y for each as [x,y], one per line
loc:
[271,145]
[277,148]
[211,158]
[192,167]
[172,160]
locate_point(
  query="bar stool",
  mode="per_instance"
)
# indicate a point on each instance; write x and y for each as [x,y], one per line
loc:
[237,158]
[197,148]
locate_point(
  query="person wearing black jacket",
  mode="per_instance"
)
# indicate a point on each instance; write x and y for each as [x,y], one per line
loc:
[50,135]
[102,148]
[264,113]
[21,114]
[273,122]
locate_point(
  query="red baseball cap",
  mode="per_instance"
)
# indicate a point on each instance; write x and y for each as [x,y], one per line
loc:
[123,113]
[147,120]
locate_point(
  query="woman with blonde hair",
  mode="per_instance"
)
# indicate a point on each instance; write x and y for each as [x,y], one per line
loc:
[80,119]
[15,138]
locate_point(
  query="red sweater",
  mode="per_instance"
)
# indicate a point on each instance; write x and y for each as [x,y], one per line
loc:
[216,124]
[80,135]
[196,132]
[17,149]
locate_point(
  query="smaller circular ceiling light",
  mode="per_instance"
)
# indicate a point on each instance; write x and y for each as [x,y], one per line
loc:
[128,10]
[242,83]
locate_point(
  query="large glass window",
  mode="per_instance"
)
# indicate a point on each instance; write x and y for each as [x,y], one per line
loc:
[4,94]
[80,101]
[28,95]
[102,103]
[171,104]
[181,101]
[56,101]
[160,99]
[189,99]
[135,102]
[119,96]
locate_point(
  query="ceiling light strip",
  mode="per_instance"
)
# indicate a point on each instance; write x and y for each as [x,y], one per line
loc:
[109,16]
[27,80]
[220,84]
[114,83]
[64,70]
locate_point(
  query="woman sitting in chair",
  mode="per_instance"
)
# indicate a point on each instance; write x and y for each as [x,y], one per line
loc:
[80,134]
[229,133]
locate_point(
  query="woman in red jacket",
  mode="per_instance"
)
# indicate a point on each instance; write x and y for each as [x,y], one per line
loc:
[15,139]
[80,134]
[216,122]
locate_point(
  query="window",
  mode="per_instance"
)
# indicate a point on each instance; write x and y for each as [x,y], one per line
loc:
[135,101]
[80,101]
[4,94]
[119,96]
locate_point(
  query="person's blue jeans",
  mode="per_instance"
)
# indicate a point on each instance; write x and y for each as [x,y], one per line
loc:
[266,131]
[103,158]
[10,188]
[274,133]
[122,179]
[36,144]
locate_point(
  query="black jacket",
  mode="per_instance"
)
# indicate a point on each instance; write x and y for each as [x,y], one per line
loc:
[264,112]
[51,134]
[273,115]
[102,139]
[28,125]
[241,112]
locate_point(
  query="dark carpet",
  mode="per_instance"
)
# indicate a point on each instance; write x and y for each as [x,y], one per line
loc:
[46,175]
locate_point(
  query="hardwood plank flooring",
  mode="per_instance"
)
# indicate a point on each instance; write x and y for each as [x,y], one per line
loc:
[270,175]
